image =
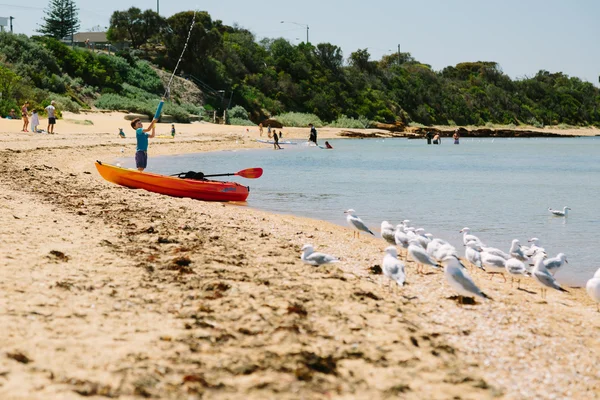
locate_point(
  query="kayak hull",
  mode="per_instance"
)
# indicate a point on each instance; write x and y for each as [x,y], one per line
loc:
[172,186]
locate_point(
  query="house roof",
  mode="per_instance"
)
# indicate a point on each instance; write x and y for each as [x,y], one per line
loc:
[94,37]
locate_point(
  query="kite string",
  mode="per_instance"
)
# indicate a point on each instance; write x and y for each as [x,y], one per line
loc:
[167,91]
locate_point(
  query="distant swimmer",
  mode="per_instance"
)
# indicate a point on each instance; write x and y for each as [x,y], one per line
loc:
[313,134]
[456,137]
[276,145]
[437,139]
[328,146]
[428,136]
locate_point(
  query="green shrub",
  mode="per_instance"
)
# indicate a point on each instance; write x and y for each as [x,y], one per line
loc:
[533,121]
[64,103]
[351,123]
[300,120]
[240,122]
[147,107]
[193,109]
[238,112]
[416,125]
[6,105]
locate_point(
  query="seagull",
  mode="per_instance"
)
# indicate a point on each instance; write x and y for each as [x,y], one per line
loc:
[473,255]
[420,256]
[515,267]
[387,232]
[495,264]
[310,257]
[392,267]
[535,248]
[434,245]
[445,251]
[556,263]
[467,237]
[356,223]
[516,251]
[423,240]
[593,288]
[495,251]
[458,278]
[544,278]
[559,213]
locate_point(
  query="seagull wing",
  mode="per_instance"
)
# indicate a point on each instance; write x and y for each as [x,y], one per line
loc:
[359,225]
[321,259]
[546,279]
[463,283]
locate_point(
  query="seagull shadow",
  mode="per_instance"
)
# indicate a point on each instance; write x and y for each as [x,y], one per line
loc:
[465,300]
[526,291]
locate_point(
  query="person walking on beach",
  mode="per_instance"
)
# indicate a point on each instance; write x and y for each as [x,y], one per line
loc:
[276,145]
[35,121]
[313,134]
[173,130]
[25,115]
[428,135]
[260,129]
[456,137]
[437,139]
[51,110]
[269,131]
[141,136]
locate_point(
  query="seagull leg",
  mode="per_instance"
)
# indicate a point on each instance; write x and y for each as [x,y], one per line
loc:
[504,276]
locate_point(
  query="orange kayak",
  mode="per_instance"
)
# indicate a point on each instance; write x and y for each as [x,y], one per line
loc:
[172,186]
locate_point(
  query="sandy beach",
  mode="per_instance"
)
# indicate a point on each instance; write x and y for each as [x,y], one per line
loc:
[107,292]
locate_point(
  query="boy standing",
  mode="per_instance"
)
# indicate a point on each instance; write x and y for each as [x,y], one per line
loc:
[141,135]
[51,110]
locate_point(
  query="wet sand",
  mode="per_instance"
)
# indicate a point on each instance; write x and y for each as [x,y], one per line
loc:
[117,293]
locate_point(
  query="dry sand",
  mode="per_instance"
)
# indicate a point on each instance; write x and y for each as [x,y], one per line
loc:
[110,292]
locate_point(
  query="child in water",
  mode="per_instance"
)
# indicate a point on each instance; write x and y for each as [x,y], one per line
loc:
[276,141]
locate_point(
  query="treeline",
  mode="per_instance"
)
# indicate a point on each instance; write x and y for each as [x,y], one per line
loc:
[273,76]
[41,69]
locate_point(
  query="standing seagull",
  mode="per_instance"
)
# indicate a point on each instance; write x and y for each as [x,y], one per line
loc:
[494,264]
[515,267]
[467,237]
[460,280]
[593,288]
[534,248]
[556,263]
[473,255]
[309,256]
[420,256]
[387,232]
[558,213]
[516,251]
[392,267]
[544,278]
[356,223]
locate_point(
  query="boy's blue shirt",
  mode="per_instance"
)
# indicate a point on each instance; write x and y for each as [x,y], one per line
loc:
[142,139]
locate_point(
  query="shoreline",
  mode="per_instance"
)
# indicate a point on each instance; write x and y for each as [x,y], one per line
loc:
[220,296]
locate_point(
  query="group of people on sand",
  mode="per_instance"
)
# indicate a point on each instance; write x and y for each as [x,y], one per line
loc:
[437,139]
[35,119]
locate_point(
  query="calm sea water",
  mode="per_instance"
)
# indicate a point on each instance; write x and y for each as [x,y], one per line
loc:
[500,188]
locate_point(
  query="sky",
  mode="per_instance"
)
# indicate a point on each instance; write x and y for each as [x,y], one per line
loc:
[523,36]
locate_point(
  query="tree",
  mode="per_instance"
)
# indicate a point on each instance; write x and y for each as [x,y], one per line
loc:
[61,20]
[135,26]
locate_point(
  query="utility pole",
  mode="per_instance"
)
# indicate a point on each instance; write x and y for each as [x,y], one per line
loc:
[399,61]
[11,27]
[158,6]
[72,27]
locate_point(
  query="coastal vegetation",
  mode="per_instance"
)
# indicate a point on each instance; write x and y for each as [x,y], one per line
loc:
[295,83]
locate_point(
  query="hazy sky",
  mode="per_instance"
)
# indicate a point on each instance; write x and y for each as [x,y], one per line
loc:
[523,36]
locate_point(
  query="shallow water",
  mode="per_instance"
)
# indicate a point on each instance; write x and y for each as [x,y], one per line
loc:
[500,188]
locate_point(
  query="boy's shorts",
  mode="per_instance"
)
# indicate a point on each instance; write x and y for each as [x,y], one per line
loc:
[141,159]
[52,121]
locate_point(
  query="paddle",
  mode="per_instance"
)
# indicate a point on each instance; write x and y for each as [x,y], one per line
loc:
[250,173]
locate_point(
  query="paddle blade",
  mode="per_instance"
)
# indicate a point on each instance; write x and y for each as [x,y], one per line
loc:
[250,173]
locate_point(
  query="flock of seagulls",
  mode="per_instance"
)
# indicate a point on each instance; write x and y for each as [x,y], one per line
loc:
[429,252]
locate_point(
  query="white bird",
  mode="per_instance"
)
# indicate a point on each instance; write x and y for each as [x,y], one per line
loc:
[473,255]
[516,251]
[544,278]
[309,256]
[556,263]
[515,267]
[401,237]
[434,245]
[420,256]
[445,251]
[392,267]
[423,240]
[356,223]
[535,248]
[495,251]
[493,263]
[387,232]
[558,213]
[593,288]
[467,237]
[458,278]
